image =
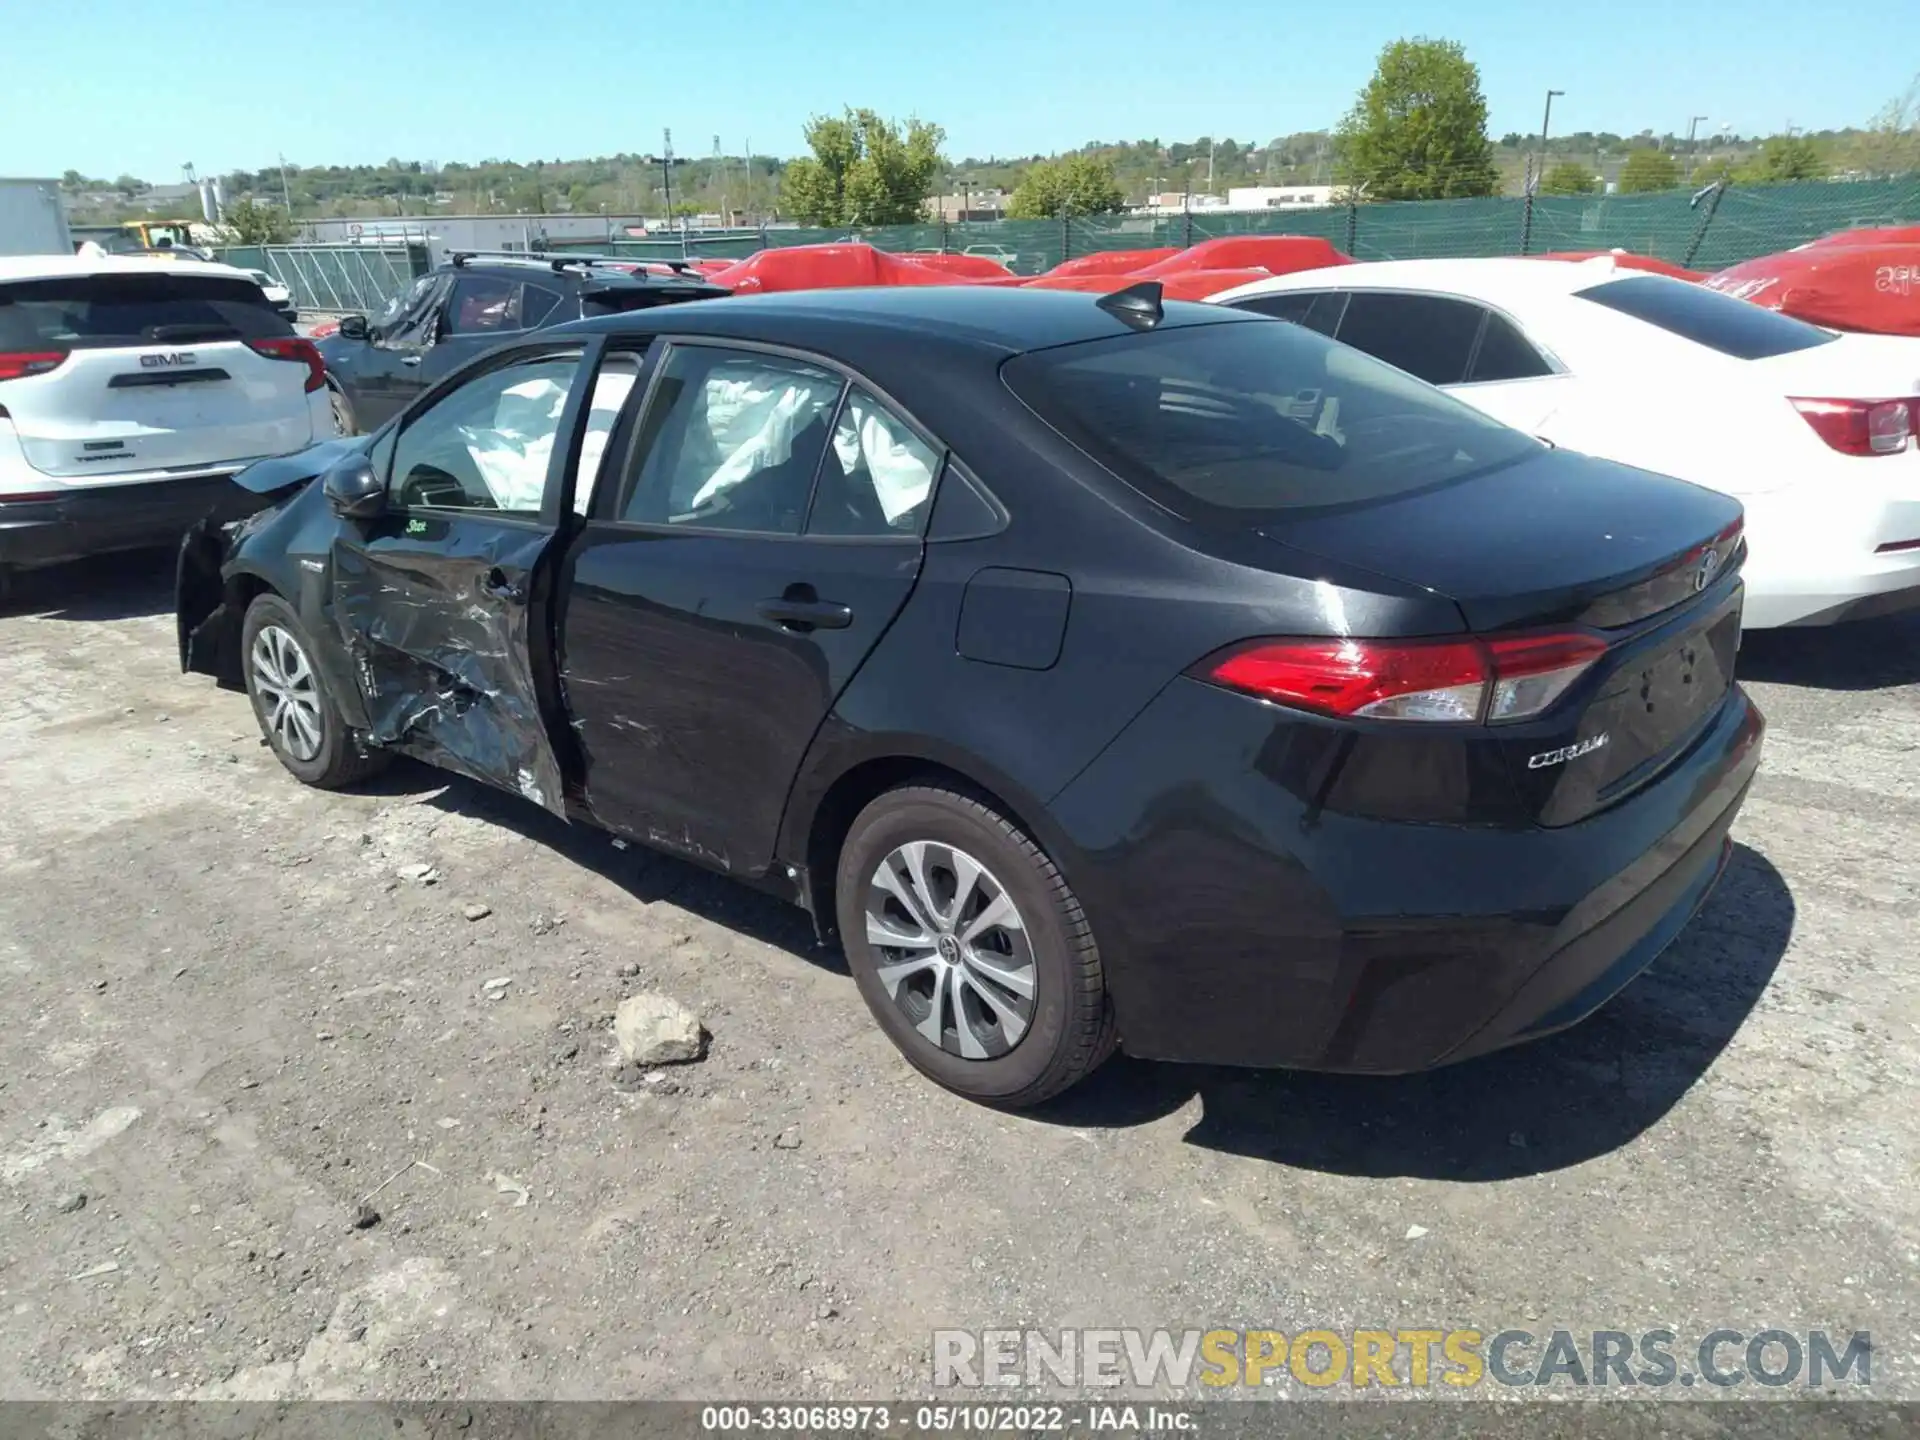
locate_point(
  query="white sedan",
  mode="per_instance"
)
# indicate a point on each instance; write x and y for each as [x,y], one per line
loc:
[1817,433]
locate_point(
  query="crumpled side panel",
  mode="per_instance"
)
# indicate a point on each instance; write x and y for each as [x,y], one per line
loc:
[443,664]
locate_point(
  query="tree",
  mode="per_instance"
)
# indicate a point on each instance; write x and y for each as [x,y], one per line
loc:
[251,223]
[864,170]
[1648,170]
[1783,158]
[1892,142]
[1567,178]
[1418,131]
[1076,185]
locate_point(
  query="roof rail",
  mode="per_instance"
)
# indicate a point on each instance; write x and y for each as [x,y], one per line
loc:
[679,265]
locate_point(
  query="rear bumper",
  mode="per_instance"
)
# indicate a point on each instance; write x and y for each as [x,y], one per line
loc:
[99,519]
[1239,924]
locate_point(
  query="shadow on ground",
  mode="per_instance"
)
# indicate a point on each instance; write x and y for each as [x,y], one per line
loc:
[104,587]
[1535,1108]
[1868,655]
[649,876]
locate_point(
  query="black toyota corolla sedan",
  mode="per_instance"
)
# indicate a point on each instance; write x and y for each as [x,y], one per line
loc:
[1098,670]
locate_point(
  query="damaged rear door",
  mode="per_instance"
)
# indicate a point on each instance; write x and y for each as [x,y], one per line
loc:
[442,599]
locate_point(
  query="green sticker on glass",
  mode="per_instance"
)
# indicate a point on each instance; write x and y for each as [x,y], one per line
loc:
[416,527]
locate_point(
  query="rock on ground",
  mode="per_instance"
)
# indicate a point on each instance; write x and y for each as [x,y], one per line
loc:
[657,1030]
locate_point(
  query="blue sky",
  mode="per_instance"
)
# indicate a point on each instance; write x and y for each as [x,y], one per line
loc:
[143,85]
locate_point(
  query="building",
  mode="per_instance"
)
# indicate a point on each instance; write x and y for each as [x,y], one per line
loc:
[1279,197]
[980,202]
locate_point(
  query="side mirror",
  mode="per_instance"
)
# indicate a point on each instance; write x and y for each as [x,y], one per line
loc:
[353,491]
[355,327]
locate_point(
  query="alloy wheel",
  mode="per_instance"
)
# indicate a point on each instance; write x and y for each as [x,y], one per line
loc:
[951,950]
[284,681]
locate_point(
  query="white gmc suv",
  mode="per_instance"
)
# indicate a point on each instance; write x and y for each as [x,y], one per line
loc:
[129,392]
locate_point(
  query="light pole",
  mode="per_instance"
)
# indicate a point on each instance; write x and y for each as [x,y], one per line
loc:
[1692,125]
[1545,121]
[1526,206]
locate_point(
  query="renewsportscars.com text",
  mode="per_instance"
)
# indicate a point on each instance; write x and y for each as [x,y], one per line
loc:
[1460,1358]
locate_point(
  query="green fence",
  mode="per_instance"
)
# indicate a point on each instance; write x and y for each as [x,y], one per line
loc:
[1708,230]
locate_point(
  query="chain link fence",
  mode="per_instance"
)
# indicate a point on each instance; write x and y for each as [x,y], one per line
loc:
[1709,230]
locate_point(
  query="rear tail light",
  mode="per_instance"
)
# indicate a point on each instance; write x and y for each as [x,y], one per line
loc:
[1862,427]
[18,364]
[1501,678]
[295,347]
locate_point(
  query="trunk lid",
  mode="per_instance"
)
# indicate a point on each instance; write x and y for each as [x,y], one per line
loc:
[155,374]
[1561,540]
[1853,367]
[1554,538]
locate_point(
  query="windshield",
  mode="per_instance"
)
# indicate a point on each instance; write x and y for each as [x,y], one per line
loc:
[1233,422]
[1733,327]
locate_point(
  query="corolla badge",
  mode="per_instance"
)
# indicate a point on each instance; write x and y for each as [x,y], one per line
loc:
[1567,752]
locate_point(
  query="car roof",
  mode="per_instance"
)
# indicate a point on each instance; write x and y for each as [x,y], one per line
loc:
[1494,278]
[57,267]
[990,318]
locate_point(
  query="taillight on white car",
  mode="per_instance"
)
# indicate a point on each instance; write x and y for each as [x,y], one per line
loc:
[1500,678]
[18,364]
[295,347]
[1862,427]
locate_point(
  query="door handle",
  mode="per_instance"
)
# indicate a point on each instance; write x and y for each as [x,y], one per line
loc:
[806,614]
[496,584]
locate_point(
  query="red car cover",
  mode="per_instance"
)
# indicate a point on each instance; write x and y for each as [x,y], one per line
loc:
[1275,254]
[825,267]
[1628,261]
[1875,288]
[1190,285]
[1110,262]
[967,267]
[1885,235]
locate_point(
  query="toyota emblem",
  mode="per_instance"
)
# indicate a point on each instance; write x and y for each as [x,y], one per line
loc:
[1709,567]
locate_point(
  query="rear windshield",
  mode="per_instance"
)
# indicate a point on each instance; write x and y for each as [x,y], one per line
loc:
[1235,421]
[79,312]
[620,299]
[1706,317]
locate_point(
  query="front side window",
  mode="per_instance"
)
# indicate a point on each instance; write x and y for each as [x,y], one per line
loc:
[876,477]
[731,441]
[408,308]
[1735,328]
[486,445]
[1234,422]
[1430,336]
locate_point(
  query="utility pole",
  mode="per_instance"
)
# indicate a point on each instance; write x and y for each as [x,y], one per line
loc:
[746,204]
[720,161]
[1211,147]
[286,191]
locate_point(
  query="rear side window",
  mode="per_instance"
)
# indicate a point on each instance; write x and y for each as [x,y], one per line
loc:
[81,312]
[1316,309]
[1505,354]
[1233,422]
[1426,335]
[1733,327]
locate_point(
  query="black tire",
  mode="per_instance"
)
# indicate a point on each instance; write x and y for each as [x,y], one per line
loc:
[1070,1030]
[338,759]
[345,422]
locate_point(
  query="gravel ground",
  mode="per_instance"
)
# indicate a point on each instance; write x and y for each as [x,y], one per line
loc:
[231,1018]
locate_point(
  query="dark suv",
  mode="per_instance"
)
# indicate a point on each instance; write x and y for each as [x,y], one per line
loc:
[450,315]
